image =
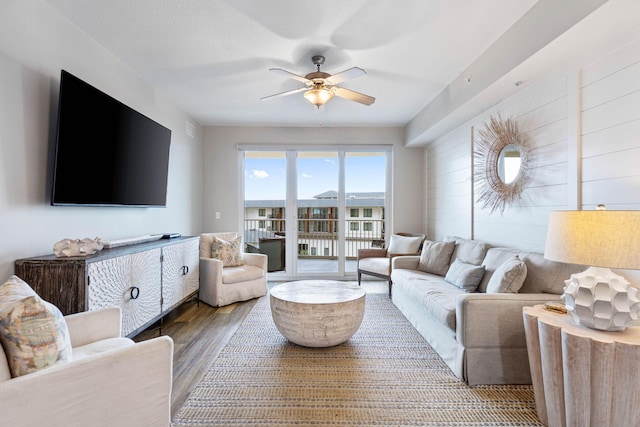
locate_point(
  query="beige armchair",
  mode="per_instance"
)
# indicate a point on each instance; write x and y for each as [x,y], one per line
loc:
[225,285]
[377,261]
[110,380]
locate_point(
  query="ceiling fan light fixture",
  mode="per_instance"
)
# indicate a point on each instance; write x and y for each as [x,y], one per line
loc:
[318,97]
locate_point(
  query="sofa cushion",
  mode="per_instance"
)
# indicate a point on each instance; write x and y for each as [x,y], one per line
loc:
[435,257]
[206,241]
[375,265]
[465,276]
[546,276]
[469,251]
[100,346]
[33,332]
[508,277]
[242,273]
[227,251]
[430,291]
[404,244]
[543,275]
[495,258]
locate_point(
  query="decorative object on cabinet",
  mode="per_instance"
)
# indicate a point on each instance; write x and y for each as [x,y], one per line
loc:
[145,280]
[597,297]
[581,376]
[501,164]
[77,247]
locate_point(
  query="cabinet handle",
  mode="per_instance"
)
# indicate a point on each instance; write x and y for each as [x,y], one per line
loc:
[185,270]
[134,292]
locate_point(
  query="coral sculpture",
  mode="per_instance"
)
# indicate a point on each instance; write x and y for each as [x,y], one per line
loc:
[600,299]
[77,247]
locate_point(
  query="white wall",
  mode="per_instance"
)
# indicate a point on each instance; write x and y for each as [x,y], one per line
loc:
[583,127]
[223,169]
[35,44]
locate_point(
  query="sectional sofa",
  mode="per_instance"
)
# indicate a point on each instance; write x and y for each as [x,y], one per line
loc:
[466,299]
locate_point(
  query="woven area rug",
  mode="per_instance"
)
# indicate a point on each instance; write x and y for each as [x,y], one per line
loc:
[385,375]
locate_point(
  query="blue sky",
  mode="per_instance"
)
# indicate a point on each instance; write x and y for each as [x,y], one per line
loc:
[265,179]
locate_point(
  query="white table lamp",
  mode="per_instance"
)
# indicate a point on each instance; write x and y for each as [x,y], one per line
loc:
[597,297]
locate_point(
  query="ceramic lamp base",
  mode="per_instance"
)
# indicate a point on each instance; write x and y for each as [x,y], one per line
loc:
[601,299]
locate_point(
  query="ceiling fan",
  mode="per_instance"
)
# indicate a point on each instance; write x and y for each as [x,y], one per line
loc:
[320,87]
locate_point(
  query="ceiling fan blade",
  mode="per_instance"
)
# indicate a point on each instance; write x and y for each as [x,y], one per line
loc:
[291,75]
[342,76]
[289,92]
[352,95]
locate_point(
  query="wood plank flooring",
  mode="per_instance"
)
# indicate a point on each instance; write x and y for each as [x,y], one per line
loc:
[199,332]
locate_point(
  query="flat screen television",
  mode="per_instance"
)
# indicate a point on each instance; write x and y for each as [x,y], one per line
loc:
[106,153]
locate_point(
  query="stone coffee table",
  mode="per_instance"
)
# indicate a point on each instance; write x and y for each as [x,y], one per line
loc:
[317,313]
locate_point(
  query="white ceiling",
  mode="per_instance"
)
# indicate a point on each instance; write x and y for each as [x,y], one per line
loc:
[211,57]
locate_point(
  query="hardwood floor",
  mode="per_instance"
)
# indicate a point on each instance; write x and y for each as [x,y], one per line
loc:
[199,332]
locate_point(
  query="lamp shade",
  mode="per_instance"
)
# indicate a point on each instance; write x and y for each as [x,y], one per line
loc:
[600,238]
[318,96]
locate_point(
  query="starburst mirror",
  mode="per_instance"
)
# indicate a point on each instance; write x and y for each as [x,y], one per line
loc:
[501,164]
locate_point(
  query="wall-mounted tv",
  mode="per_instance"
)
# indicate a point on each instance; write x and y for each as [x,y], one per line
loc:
[106,153]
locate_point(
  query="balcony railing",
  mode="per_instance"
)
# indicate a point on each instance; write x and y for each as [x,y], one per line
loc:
[319,237]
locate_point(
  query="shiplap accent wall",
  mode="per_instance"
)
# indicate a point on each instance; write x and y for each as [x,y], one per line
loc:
[611,130]
[449,186]
[584,130]
[541,112]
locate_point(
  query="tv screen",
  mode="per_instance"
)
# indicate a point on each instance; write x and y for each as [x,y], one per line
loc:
[106,153]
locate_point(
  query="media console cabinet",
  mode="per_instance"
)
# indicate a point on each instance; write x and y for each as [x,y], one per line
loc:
[146,280]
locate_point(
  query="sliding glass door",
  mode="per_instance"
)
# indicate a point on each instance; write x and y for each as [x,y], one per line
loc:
[310,210]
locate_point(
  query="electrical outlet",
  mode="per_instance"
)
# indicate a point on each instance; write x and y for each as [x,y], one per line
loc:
[217,215]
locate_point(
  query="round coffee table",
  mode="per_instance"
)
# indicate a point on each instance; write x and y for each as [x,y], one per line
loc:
[317,313]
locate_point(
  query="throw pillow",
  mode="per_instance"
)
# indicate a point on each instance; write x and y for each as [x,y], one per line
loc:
[435,257]
[33,332]
[508,277]
[404,244]
[229,252]
[465,276]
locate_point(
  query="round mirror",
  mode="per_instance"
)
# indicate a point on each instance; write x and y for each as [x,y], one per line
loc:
[509,162]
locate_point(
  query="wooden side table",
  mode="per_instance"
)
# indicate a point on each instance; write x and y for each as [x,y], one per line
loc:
[582,376]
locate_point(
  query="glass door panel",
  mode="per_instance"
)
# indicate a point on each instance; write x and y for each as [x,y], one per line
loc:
[317,183]
[365,184]
[265,192]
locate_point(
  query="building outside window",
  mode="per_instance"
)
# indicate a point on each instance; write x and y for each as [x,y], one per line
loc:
[355,213]
[354,226]
[367,226]
[367,212]
[261,224]
[262,212]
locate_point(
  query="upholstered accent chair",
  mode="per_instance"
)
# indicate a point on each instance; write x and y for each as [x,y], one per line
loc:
[110,380]
[377,261]
[227,273]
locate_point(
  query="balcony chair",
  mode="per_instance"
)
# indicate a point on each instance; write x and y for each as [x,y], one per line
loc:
[244,277]
[103,379]
[377,261]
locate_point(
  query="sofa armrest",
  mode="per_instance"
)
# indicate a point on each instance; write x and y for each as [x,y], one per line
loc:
[129,386]
[258,260]
[405,262]
[494,320]
[92,326]
[372,253]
